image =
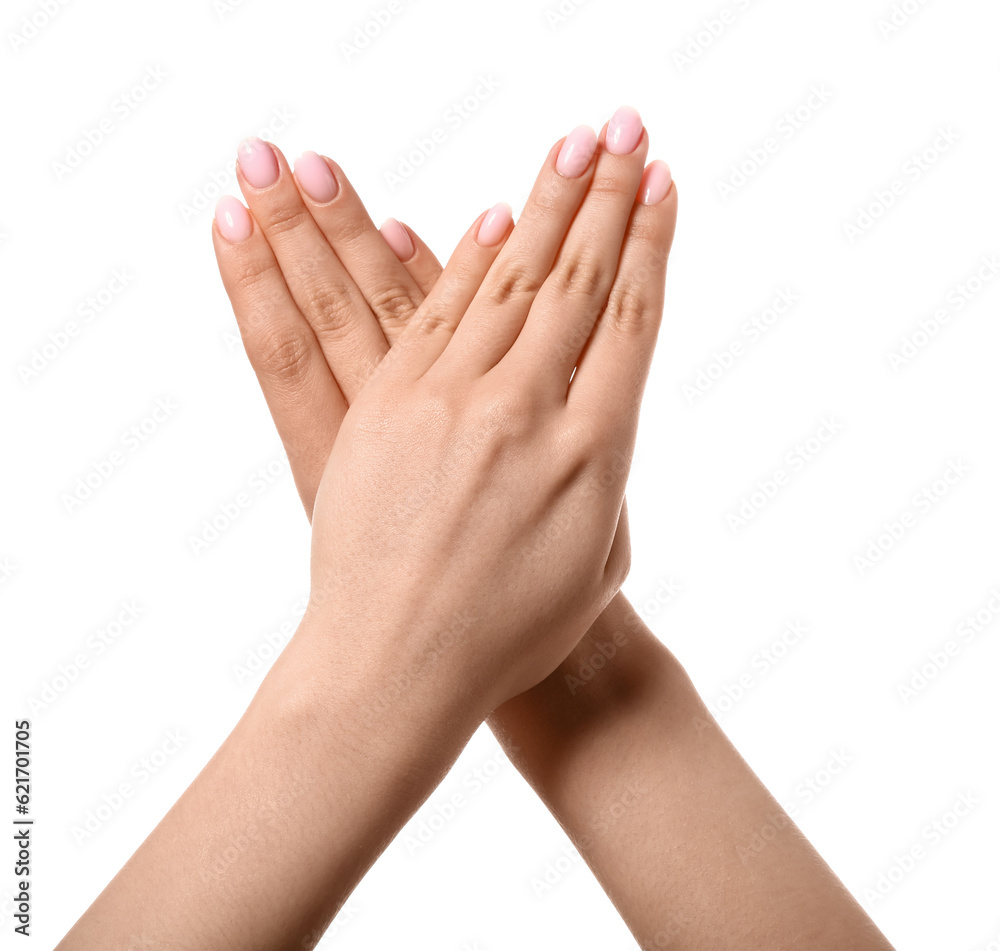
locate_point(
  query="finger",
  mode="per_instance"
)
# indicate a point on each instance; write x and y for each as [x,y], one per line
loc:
[391,293]
[502,302]
[345,327]
[305,402]
[417,258]
[611,373]
[567,306]
[435,321]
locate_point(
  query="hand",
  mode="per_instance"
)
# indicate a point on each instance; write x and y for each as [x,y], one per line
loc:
[316,292]
[538,367]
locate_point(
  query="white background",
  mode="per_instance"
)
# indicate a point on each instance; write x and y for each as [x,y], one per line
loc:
[132,203]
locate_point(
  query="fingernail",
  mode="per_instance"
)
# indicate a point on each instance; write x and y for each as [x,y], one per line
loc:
[315,177]
[257,162]
[576,152]
[624,131]
[234,220]
[494,225]
[398,238]
[655,183]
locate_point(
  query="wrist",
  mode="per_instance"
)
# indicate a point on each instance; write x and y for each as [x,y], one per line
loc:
[617,663]
[359,689]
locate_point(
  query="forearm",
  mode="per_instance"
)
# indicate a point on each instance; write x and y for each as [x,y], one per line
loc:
[663,808]
[334,754]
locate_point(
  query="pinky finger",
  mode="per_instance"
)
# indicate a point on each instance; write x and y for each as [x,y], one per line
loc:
[416,257]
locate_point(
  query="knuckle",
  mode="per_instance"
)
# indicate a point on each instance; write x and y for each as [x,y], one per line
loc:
[349,229]
[328,309]
[515,283]
[431,320]
[437,407]
[503,415]
[583,273]
[393,303]
[611,188]
[252,271]
[649,232]
[286,218]
[585,444]
[628,309]
[547,199]
[280,357]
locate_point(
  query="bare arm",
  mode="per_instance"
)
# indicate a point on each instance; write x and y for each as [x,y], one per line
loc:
[664,809]
[323,769]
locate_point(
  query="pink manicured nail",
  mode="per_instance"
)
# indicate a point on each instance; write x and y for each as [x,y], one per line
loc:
[495,225]
[655,183]
[576,152]
[258,162]
[398,238]
[234,220]
[624,131]
[315,177]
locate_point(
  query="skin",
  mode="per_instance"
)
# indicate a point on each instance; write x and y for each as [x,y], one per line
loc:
[470,503]
[658,802]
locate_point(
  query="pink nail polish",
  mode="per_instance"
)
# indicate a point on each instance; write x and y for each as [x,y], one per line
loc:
[233,219]
[398,238]
[576,152]
[257,162]
[315,177]
[655,183]
[495,225]
[624,131]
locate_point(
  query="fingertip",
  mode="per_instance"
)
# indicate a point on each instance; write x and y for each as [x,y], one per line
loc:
[624,131]
[313,173]
[423,267]
[233,219]
[576,152]
[398,238]
[656,183]
[258,162]
[495,225]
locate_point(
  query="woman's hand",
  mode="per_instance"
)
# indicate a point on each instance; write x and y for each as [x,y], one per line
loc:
[316,292]
[460,418]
